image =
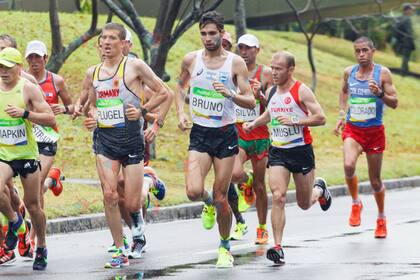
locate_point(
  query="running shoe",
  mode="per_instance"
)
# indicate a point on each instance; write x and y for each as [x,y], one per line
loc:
[249,194]
[159,188]
[262,236]
[276,254]
[380,231]
[113,248]
[119,259]
[239,231]
[356,210]
[55,175]
[11,239]
[208,216]
[137,248]
[325,199]
[225,258]
[6,257]
[24,244]
[40,262]
[243,206]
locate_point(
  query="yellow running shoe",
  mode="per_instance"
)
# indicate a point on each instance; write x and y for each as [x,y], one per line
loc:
[208,216]
[225,259]
[243,206]
[262,236]
[239,231]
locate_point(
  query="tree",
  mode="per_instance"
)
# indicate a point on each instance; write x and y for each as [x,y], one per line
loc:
[169,27]
[316,24]
[59,52]
[240,18]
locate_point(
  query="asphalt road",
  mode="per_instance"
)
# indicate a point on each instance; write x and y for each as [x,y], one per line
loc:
[318,245]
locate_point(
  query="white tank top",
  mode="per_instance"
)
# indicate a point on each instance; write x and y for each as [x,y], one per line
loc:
[288,136]
[209,108]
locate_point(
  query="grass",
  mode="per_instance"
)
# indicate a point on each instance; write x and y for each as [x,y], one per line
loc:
[332,55]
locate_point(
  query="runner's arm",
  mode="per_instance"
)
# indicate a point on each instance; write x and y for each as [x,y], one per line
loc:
[316,115]
[245,98]
[79,106]
[156,85]
[39,110]
[261,120]
[344,94]
[67,107]
[389,91]
[182,85]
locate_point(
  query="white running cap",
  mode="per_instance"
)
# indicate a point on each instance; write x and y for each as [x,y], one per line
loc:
[36,47]
[249,40]
[128,36]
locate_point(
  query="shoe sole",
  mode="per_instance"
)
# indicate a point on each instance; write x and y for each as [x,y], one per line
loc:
[273,256]
[380,237]
[8,262]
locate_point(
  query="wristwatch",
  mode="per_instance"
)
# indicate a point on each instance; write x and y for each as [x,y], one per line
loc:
[143,111]
[160,122]
[294,119]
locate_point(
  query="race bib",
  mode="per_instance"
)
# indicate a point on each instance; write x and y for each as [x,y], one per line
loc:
[13,132]
[362,109]
[207,103]
[110,113]
[283,135]
[45,134]
[247,115]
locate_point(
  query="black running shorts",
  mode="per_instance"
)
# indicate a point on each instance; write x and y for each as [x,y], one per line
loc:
[47,149]
[23,167]
[219,142]
[299,159]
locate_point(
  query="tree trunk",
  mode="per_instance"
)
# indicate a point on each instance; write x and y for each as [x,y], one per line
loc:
[240,18]
[59,53]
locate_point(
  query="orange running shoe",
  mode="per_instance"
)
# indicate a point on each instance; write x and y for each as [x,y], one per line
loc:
[356,209]
[55,175]
[262,236]
[247,189]
[380,231]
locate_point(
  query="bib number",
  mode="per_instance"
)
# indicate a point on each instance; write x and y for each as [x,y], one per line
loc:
[247,115]
[206,103]
[45,134]
[110,113]
[283,135]
[13,132]
[362,109]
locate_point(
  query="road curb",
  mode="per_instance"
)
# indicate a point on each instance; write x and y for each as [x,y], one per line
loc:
[193,210]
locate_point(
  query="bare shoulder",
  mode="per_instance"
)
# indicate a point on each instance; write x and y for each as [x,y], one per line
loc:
[29,88]
[238,63]
[29,77]
[189,58]
[385,72]
[57,78]
[305,92]
[347,71]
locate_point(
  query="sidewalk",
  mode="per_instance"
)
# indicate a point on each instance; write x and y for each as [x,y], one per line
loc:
[193,210]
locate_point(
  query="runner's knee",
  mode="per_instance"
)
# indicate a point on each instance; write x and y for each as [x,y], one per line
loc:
[111,197]
[349,168]
[259,189]
[304,204]
[194,194]
[279,198]
[376,184]
[237,176]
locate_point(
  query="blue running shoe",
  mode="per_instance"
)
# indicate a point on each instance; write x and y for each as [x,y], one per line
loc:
[40,262]
[159,188]
[12,233]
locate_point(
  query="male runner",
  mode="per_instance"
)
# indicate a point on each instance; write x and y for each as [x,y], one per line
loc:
[366,88]
[253,145]
[291,109]
[213,76]
[54,89]
[21,104]
[116,101]
[24,245]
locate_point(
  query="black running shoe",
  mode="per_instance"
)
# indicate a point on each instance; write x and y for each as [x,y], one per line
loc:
[325,199]
[12,233]
[137,248]
[276,254]
[40,262]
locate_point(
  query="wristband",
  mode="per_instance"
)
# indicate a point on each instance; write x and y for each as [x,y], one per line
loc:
[66,110]
[381,95]
[25,114]
[232,94]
